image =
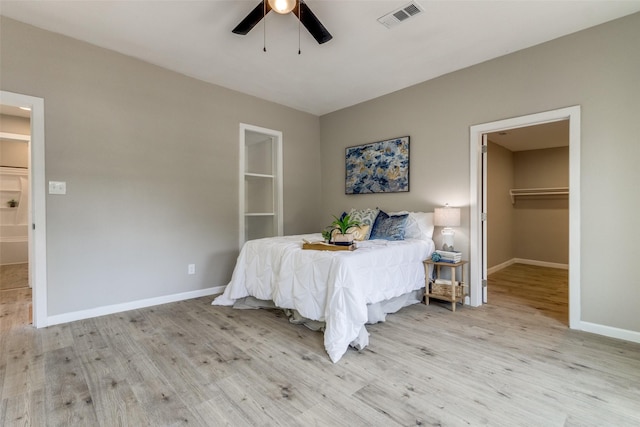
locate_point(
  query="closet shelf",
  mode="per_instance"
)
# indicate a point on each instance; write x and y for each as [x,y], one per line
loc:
[550,191]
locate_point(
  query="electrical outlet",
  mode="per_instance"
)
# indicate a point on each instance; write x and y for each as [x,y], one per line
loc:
[57,187]
[191,269]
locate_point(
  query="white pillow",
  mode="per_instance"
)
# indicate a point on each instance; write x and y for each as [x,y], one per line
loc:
[419,225]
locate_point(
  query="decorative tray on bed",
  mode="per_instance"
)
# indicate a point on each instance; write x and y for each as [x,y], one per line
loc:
[322,246]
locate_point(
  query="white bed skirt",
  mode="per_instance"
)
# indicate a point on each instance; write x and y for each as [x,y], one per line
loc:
[375,313]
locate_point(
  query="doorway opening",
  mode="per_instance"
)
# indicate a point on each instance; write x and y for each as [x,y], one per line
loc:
[33,212]
[478,203]
[15,286]
[527,210]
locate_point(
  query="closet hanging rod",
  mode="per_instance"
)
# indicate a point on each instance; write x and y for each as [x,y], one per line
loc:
[548,191]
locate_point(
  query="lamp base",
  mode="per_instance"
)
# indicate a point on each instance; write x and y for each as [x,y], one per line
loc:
[447,239]
[447,248]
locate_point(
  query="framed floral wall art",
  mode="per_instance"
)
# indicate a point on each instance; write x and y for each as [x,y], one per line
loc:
[378,167]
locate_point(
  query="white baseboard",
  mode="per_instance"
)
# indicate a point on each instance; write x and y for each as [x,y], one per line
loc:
[541,263]
[133,305]
[506,264]
[610,331]
[499,267]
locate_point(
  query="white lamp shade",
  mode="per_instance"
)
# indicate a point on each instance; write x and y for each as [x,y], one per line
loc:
[282,6]
[446,217]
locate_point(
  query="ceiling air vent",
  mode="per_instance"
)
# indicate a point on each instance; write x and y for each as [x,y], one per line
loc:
[400,15]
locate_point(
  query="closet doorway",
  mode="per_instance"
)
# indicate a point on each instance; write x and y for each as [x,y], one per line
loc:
[527,209]
[480,216]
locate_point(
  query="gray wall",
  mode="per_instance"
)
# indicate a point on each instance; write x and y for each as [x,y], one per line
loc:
[541,226]
[534,228]
[597,69]
[150,158]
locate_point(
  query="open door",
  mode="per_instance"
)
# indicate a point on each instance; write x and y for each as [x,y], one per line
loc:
[483,219]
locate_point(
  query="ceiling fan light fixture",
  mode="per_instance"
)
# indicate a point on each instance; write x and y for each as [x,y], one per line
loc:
[282,6]
[304,14]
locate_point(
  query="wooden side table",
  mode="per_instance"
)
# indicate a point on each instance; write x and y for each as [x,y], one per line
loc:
[450,290]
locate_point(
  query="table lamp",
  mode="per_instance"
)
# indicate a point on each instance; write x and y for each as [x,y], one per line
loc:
[447,217]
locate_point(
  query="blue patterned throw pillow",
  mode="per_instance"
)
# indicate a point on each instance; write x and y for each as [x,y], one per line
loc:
[366,217]
[389,227]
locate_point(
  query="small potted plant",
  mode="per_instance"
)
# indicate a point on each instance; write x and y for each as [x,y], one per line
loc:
[339,229]
[12,203]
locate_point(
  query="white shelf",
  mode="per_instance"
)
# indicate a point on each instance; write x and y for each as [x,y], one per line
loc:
[259,214]
[250,175]
[15,136]
[544,191]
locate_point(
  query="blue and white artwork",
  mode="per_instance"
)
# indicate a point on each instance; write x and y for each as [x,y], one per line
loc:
[379,167]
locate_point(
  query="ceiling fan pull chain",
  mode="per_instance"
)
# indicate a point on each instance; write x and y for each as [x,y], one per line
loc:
[299,23]
[264,25]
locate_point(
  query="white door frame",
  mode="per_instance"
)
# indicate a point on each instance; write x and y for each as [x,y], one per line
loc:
[37,211]
[476,271]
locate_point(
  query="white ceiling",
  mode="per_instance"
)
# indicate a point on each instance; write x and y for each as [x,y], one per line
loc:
[363,61]
[537,137]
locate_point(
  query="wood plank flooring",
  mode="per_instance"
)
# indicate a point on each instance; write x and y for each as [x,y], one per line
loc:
[14,276]
[534,288]
[508,363]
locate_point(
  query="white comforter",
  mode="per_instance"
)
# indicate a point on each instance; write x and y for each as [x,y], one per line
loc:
[330,286]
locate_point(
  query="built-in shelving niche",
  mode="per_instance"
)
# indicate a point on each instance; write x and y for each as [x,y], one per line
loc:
[260,183]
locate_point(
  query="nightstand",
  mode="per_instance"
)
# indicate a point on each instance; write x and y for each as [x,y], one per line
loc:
[450,290]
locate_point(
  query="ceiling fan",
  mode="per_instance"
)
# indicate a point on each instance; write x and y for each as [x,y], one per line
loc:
[298,7]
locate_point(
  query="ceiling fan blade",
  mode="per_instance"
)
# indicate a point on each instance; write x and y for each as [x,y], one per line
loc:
[312,23]
[252,19]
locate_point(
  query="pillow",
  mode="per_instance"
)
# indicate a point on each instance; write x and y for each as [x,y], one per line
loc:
[424,222]
[389,227]
[366,217]
[359,233]
[419,225]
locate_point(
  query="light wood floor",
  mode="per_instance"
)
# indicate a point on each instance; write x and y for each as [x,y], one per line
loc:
[537,289]
[14,276]
[507,363]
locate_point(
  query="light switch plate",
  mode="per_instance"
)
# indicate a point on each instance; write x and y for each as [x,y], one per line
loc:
[57,187]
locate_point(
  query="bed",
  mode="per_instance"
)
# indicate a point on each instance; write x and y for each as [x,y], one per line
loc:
[343,289]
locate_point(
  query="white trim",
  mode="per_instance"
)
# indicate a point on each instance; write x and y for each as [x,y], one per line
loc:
[15,136]
[557,265]
[610,331]
[575,300]
[132,305]
[38,210]
[475,141]
[512,261]
[500,266]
